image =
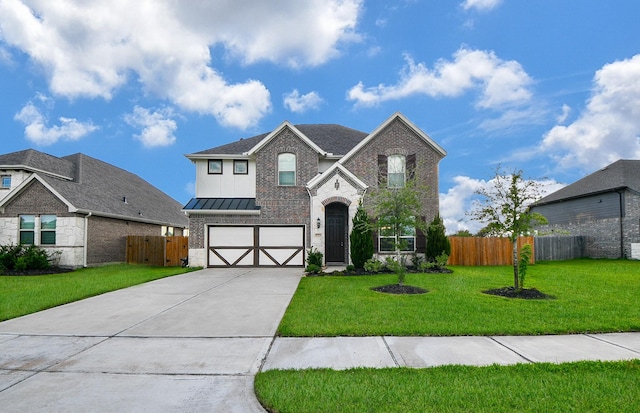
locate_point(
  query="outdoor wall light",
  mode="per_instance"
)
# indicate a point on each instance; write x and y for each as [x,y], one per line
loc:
[318,222]
[337,184]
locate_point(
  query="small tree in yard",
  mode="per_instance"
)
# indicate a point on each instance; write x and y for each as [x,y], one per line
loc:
[361,241]
[437,241]
[506,210]
[397,209]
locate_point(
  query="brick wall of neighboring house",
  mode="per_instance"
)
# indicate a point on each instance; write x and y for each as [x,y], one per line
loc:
[398,139]
[36,199]
[604,235]
[107,238]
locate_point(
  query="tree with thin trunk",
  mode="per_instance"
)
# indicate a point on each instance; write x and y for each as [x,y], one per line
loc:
[506,209]
[398,211]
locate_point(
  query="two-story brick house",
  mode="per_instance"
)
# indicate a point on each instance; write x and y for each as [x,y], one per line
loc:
[263,201]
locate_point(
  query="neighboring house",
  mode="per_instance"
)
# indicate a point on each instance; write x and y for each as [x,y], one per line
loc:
[603,206]
[265,200]
[80,206]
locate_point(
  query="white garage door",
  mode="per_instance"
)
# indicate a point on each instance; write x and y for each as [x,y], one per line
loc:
[253,246]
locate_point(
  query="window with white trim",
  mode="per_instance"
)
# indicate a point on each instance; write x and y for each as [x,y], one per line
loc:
[6,182]
[387,239]
[396,171]
[48,229]
[27,229]
[287,169]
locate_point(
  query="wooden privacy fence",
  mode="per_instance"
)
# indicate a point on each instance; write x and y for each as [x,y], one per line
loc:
[157,250]
[485,250]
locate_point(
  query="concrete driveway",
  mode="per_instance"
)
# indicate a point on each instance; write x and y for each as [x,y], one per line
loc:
[190,343]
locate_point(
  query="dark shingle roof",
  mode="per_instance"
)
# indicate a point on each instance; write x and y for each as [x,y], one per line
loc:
[38,161]
[101,188]
[620,174]
[331,138]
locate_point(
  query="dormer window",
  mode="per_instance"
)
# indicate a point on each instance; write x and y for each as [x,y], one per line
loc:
[6,182]
[287,169]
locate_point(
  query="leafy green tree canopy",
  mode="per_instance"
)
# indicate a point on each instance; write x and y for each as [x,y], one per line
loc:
[505,208]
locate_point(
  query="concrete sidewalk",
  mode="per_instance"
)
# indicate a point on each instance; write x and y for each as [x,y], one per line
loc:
[189,343]
[348,352]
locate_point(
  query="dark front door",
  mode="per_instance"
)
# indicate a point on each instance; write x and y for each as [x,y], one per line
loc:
[336,232]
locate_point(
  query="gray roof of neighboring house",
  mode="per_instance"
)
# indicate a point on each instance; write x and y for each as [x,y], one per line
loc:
[619,175]
[101,188]
[332,138]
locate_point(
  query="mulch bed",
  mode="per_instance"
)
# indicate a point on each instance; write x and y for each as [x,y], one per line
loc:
[525,293]
[399,289]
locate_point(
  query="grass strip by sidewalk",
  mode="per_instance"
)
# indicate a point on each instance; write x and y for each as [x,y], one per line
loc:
[578,387]
[590,296]
[21,295]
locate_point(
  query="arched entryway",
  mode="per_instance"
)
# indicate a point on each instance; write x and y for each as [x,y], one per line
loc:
[336,217]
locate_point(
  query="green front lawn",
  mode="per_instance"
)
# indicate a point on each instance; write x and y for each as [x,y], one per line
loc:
[20,295]
[571,387]
[590,296]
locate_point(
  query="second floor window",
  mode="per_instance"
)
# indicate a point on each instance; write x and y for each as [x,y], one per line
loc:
[6,182]
[286,169]
[396,171]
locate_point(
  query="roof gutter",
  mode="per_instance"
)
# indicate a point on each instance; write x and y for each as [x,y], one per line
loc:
[128,218]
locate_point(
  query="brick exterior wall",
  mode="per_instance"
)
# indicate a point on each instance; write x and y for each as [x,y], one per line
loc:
[604,236]
[107,238]
[36,199]
[398,139]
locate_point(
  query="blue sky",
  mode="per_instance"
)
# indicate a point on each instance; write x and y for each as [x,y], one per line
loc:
[550,87]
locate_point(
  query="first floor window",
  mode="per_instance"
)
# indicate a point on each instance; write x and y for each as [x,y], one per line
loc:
[406,239]
[27,229]
[48,229]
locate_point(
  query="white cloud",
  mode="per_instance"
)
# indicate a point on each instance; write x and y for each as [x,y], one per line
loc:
[91,49]
[566,110]
[37,131]
[301,103]
[157,129]
[501,83]
[458,201]
[608,128]
[481,5]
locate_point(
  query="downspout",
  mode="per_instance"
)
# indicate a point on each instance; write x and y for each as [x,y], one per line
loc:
[620,214]
[86,239]
[310,220]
